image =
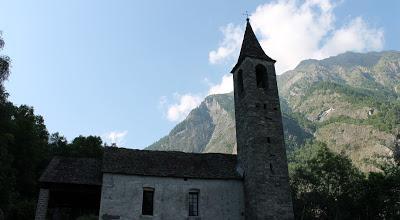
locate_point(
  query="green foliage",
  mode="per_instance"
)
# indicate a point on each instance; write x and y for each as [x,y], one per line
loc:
[388,117]
[4,72]
[295,133]
[90,146]
[383,193]
[25,150]
[326,185]
[384,102]
[355,95]
[24,154]
[7,178]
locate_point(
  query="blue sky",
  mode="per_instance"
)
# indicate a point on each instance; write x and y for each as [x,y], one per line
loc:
[130,70]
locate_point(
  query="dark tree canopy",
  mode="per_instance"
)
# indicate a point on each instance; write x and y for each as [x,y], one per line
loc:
[90,146]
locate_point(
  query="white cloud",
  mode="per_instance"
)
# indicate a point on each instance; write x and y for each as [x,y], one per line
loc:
[185,103]
[232,39]
[355,36]
[117,137]
[290,31]
[225,86]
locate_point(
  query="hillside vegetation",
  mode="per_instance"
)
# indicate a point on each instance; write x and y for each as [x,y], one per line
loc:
[350,102]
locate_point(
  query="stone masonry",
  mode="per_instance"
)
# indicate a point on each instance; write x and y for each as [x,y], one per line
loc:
[41,207]
[259,133]
[122,198]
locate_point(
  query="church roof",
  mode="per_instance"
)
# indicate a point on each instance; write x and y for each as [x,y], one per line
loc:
[169,164]
[69,170]
[88,171]
[251,48]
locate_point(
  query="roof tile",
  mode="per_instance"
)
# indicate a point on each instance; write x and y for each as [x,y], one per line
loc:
[170,164]
[71,170]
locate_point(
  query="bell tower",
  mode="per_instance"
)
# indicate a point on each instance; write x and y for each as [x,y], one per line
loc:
[259,133]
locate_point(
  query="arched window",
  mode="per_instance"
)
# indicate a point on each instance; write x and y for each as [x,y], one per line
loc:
[261,76]
[240,82]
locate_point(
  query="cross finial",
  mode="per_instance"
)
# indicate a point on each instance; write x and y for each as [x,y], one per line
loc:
[247,15]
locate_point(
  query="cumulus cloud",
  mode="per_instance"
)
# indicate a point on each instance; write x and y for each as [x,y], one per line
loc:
[290,31]
[182,106]
[117,137]
[225,86]
[233,36]
[355,36]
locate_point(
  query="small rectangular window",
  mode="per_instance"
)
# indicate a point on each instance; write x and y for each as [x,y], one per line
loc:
[193,203]
[147,204]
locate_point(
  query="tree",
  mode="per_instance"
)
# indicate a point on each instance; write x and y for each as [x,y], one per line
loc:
[28,147]
[4,71]
[7,172]
[325,185]
[58,144]
[382,195]
[396,149]
[90,146]
[383,187]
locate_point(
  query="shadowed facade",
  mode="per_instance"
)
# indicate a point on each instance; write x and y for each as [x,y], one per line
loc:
[259,134]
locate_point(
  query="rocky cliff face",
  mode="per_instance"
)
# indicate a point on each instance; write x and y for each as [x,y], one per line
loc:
[350,101]
[208,128]
[211,128]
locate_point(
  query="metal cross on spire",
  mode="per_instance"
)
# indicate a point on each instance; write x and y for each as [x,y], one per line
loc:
[247,15]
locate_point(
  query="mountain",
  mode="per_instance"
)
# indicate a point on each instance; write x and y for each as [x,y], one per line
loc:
[211,128]
[350,101]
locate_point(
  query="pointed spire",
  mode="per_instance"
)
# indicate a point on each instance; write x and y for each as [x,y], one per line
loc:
[251,47]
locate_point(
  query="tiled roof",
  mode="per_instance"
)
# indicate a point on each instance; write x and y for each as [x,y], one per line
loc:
[251,48]
[169,164]
[86,171]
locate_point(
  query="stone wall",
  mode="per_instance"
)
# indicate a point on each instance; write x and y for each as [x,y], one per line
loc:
[42,203]
[218,199]
[261,149]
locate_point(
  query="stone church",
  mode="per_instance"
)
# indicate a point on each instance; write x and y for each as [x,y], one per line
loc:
[141,184]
